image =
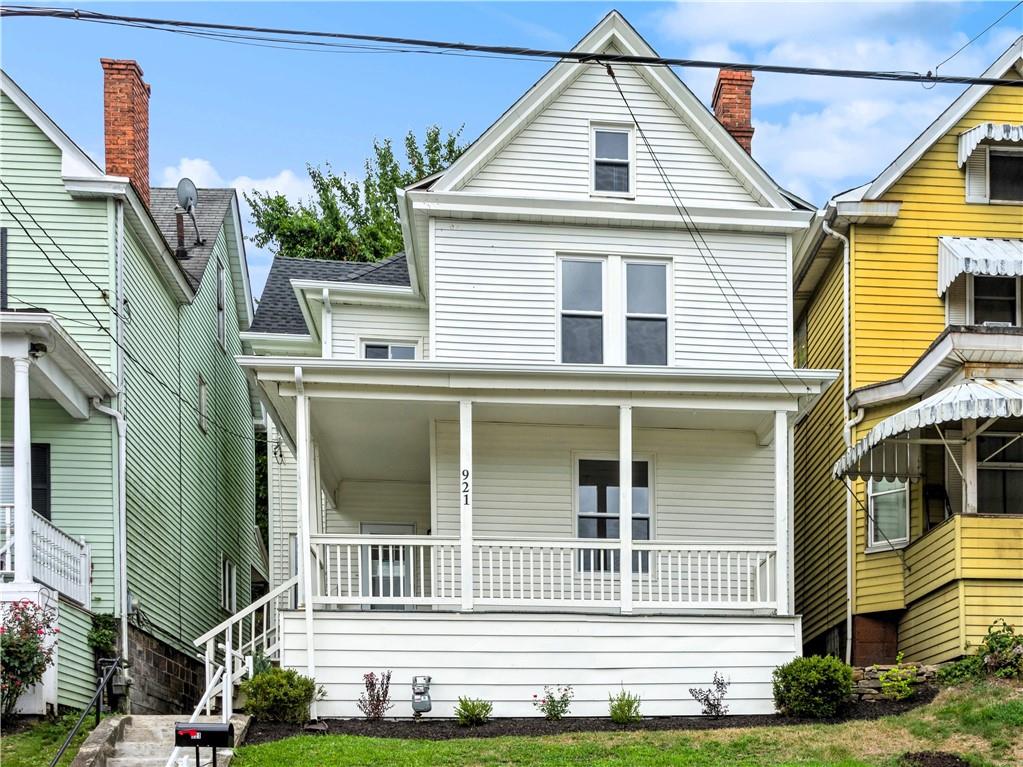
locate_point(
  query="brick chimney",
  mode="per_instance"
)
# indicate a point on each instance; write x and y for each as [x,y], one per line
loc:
[126,122]
[732,105]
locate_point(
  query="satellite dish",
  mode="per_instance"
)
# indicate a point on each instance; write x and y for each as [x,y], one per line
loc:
[188,195]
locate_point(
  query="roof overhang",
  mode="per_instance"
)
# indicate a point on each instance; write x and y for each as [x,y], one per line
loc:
[60,367]
[281,344]
[881,454]
[358,293]
[995,133]
[988,256]
[978,349]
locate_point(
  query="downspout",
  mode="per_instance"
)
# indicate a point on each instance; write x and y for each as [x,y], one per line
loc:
[849,421]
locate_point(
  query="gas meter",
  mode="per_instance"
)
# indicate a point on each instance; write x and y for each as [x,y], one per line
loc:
[421,695]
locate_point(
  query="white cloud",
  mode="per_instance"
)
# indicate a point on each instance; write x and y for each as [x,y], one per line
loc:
[200,171]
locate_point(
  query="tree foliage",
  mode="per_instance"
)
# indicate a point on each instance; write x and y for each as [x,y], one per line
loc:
[346,218]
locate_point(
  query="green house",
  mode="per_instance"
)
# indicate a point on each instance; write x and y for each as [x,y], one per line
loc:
[127,431]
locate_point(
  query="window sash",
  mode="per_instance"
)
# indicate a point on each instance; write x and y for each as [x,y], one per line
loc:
[594,355]
[646,318]
[390,347]
[602,161]
[882,536]
[1008,188]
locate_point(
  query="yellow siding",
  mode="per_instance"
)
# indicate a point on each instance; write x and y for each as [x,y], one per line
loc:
[988,600]
[896,309]
[992,547]
[929,631]
[819,516]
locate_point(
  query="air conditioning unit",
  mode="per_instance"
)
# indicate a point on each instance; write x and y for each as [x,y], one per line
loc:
[991,324]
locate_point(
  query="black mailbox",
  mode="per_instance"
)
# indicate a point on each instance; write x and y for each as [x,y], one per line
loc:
[203,734]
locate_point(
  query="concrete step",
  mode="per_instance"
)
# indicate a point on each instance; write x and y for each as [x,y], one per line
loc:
[148,740]
[185,760]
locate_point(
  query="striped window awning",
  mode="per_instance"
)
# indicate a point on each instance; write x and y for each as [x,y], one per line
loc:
[1003,133]
[989,256]
[887,452]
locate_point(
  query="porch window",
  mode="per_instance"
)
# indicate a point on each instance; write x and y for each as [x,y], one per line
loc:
[598,510]
[888,522]
[1006,175]
[582,310]
[612,161]
[646,313]
[996,301]
[228,585]
[40,477]
[1000,474]
[385,350]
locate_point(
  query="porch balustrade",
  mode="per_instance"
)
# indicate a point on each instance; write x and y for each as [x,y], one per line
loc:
[59,560]
[570,572]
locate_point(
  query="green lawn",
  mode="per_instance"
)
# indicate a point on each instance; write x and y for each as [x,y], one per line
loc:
[983,723]
[38,745]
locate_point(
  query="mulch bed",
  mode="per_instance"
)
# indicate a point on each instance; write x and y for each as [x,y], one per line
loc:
[932,759]
[445,729]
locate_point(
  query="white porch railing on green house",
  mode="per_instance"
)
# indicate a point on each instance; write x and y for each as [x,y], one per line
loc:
[59,560]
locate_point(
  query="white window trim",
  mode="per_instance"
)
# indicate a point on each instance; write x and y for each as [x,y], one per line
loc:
[970,299]
[228,584]
[560,310]
[221,305]
[668,316]
[892,544]
[588,455]
[995,149]
[203,405]
[416,343]
[628,128]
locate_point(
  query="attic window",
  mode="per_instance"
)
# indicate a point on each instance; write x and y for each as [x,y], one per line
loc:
[612,160]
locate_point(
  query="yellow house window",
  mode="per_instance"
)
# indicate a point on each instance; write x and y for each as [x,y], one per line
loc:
[888,520]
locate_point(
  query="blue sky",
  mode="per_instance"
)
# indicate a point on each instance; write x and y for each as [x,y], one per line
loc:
[253,117]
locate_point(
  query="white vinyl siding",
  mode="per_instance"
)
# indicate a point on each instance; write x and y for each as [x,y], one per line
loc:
[707,485]
[552,155]
[380,502]
[354,324]
[283,502]
[506,658]
[495,297]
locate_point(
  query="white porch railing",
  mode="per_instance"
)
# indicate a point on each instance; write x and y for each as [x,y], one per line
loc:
[565,572]
[58,560]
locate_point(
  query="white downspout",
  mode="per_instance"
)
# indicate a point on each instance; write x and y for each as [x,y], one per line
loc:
[849,423]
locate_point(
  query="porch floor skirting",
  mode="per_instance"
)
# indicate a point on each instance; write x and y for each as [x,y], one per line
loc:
[508,657]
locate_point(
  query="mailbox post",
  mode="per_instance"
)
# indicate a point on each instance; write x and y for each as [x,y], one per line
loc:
[211,735]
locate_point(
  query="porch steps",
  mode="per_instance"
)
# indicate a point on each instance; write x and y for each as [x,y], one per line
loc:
[149,739]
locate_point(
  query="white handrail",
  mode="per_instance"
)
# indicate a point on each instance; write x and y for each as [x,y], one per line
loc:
[206,696]
[245,612]
[60,561]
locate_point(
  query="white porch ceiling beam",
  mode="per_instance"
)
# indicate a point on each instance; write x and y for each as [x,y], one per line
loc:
[61,388]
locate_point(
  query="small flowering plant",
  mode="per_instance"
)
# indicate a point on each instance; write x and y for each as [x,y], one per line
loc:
[28,634]
[555,701]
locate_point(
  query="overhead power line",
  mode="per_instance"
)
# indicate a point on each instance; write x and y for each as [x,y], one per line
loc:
[384,43]
[979,35]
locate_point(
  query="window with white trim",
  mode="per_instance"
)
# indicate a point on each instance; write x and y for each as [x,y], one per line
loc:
[387,350]
[1000,473]
[228,584]
[612,160]
[221,305]
[597,510]
[1005,175]
[888,520]
[582,310]
[203,405]
[646,313]
[996,300]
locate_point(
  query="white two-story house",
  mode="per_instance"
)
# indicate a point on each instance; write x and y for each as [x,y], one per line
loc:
[602,280]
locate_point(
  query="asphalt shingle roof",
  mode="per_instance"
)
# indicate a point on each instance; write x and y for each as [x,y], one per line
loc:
[210,208]
[278,310]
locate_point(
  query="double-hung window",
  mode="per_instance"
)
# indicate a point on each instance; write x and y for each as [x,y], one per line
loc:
[646,313]
[888,522]
[1005,175]
[598,511]
[386,350]
[996,300]
[612,160]
[582,310]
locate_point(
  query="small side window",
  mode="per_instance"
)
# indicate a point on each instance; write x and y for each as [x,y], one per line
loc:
[1005,176]
[203,406]
[228,585]
[888,523]
[221,305]
[995,301]
[612,161]
[382,350]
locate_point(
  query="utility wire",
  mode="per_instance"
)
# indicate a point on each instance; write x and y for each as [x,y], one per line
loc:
[979,35]
[424,45]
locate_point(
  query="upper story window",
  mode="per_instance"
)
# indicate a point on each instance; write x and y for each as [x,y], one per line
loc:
[996,300]
[387,350]
[600,324]
[221,305]
[888,521]
[1005,174]
[612,160]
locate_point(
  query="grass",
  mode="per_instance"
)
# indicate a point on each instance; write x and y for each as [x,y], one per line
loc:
[982,722]
[38,744]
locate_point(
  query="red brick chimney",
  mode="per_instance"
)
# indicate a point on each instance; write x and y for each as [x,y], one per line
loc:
[126,122]
[732,105]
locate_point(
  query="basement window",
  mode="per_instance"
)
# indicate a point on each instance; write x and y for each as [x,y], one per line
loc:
[888,521]
[612,161]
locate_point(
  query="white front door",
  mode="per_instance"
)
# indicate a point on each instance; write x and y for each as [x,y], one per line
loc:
[386,567]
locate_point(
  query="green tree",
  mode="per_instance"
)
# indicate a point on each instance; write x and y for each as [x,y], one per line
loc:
[350,219]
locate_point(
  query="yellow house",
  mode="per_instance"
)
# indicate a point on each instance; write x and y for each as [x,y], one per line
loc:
[909,476]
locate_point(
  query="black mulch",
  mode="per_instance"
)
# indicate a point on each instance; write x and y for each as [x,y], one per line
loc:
[932,759]
[445,729]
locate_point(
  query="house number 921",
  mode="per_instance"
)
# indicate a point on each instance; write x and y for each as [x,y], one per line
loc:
[465,487]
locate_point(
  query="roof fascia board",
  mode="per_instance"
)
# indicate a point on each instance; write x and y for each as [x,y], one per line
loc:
[955,112]
[599,212]
[246,311]
[281,344]
[141,222]
[383,295]
[74,162]
[408,240]
[310,316]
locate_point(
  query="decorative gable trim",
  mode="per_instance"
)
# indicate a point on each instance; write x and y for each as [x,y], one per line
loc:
[615,31]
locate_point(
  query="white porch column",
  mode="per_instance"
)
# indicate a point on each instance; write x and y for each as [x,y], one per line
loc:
[969,466]
[625,505]
[22,473]
[782,520]
[465,496]
[304,460]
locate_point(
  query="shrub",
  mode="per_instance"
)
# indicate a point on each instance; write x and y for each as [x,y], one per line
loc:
[555,701]
[472,712]
[27,641]
[963,670]
[1002,650]
[712,700]
[623,708]
[260,664]
[280,695]
[898,682]
[817,687]
[376,700]
[102,637]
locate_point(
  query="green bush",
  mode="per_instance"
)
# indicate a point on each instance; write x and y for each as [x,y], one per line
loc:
[623,708]
[102,637]
[816,687]
[280,695]
[898,682]
[963,670]
[472,712]
[999,654]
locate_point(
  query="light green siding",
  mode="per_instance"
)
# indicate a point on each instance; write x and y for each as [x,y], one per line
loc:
[76,673]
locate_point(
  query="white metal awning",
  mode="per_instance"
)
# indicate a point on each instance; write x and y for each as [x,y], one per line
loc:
[881,455]
[989,256]
[1004,133]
